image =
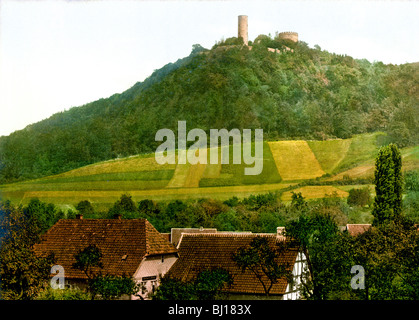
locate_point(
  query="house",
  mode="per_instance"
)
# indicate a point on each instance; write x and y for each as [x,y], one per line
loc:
[356,229]
[131,247]
[206,251]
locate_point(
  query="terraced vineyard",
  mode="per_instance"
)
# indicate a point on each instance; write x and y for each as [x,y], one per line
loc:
[286,164]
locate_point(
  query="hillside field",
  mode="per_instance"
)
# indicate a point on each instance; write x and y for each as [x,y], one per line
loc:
[314,168]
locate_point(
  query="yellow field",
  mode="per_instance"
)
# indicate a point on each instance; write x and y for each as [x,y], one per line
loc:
[187,176]
[313,192]
[179,177]
[222,193]
[295,160]
[194,175]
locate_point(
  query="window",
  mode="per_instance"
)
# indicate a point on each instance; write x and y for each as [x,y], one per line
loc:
[143,287]
[153,285]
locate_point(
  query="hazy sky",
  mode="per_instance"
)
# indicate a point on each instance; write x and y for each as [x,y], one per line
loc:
[59,54]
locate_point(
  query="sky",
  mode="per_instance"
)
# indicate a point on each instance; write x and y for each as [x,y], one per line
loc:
[59,54]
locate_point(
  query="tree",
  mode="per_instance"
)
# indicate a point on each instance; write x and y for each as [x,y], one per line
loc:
[389,255]
[232,202]
[87,259]
[148,207]
[197,48]
[174,289]
[42,214]
[359,197]
[209,283]
[297,201]
[315,233]
[206,286]
[85,208]
[112,287]
[125,207]
[388,185]
[22,272]
[106,286]
[262,260]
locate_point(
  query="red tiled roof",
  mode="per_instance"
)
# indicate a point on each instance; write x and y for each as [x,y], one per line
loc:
[198,252]
[135,238]
[176,233]
[356,229]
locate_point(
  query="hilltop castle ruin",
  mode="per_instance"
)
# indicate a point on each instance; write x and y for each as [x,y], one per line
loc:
[243,32]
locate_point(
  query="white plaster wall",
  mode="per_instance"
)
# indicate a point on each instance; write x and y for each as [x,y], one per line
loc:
[153,266]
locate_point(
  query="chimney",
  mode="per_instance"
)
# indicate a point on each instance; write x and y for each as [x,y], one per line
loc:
[117,216]
[79,216]
[280,232]
[243,29]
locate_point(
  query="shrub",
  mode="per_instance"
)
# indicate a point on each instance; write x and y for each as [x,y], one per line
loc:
[359,197]
[63,294]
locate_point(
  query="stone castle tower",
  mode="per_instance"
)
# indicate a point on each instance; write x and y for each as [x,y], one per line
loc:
[293,36]
[243,29]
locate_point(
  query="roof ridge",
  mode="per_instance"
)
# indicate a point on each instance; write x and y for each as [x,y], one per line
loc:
[146,242]
[228,234]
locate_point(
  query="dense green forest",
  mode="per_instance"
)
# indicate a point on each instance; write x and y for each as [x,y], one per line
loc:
[303,93]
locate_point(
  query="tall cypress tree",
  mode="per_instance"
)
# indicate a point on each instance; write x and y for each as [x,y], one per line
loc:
[398,180]
[388,185]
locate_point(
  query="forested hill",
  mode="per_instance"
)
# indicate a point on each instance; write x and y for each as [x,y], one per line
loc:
[305,93]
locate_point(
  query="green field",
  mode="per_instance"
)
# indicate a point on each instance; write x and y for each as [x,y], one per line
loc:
[330,153]
[285,165]
[233,174]
[362,148]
